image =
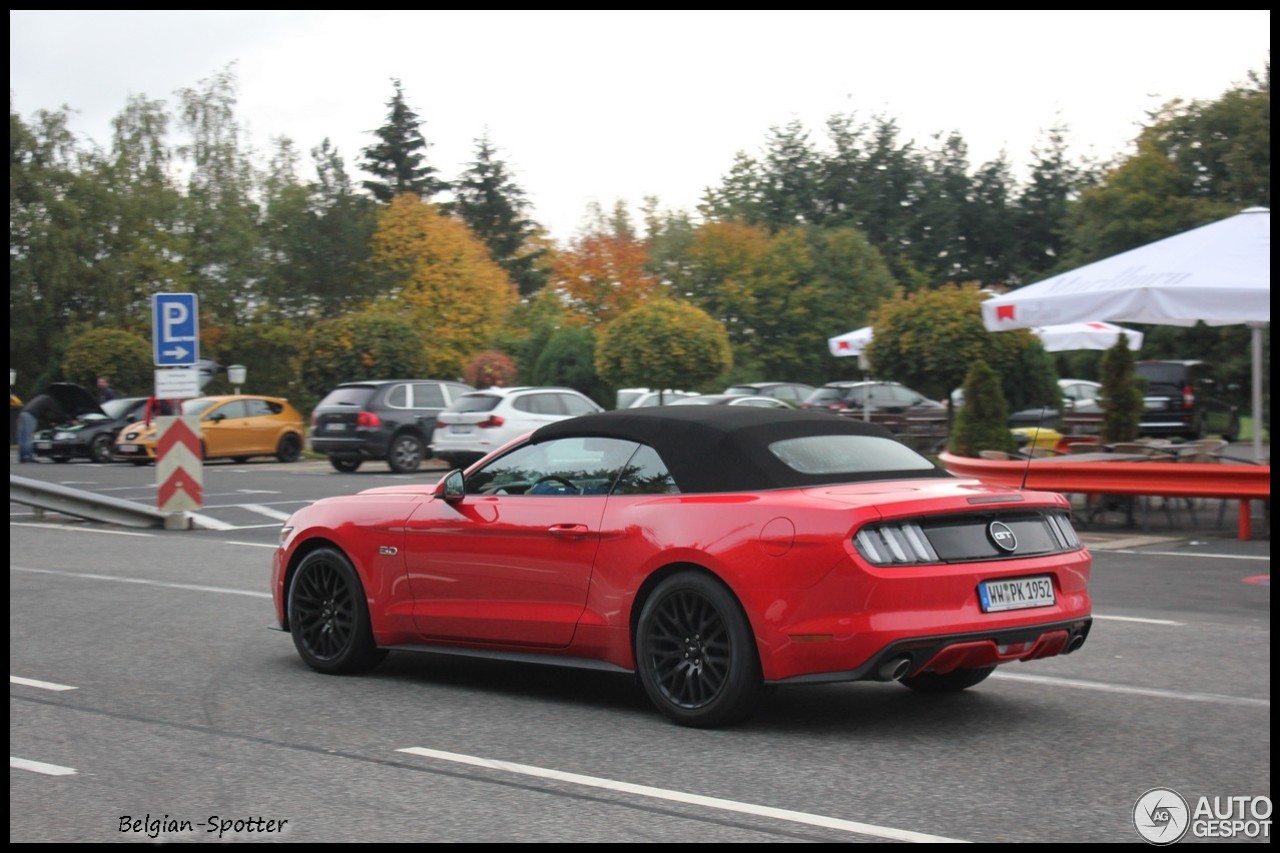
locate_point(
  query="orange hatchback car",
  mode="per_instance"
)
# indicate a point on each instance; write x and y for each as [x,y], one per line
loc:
[231,427]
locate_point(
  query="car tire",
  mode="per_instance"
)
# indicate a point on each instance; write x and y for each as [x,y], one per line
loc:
[405,454]
[61,460]
[696,653]
[289,449]
[345,464]
[329,616]
[100,448]
[140,462]
[951,682]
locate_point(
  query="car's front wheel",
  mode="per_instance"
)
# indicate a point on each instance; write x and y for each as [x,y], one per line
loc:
[289,449]
[406,454]
[951,682]
[345,464]
[329,617]
[100,448]
[696,654]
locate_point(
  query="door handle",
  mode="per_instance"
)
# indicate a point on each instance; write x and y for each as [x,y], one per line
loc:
[570,531]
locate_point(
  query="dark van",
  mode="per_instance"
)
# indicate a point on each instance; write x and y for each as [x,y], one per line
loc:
[1184,398]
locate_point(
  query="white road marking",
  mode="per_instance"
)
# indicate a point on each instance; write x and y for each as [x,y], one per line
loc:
[1139,619]
[143,582]
[251,544]
[257,492]
[267,511]
[40,767]
[1202,554]
[683,797]
[1155,692]
[43,685]
[78,529]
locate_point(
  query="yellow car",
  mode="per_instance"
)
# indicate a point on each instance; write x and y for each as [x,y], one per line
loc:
[235,426]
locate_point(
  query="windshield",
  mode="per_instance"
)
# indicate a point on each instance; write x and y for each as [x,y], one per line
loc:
[198,406]
[847,454]
[474,403]
[347,395]
[116,408]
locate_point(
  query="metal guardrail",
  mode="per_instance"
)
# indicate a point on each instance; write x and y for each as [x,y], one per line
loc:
[1158,479]
[95,507]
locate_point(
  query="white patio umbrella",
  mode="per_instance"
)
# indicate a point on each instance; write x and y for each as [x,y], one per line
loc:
[1219,274]
[1059,338]
[850,343]
[1094,334]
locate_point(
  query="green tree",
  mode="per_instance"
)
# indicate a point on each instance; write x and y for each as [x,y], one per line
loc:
[398,159]
[360,345]
[568,359]
[664,343]
[1043,207]
[983,422]
[271,352]
[929,339]
[496,208]
[122,357]
[1121,394]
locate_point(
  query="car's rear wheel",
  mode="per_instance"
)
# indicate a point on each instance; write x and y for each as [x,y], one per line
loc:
[100,448]
[951,682]
[289,449]
[60,459]
[696,654]
[329,617]
[406,454]
[344,464]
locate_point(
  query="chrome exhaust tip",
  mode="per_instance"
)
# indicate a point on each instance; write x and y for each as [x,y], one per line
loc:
[1075,642]
[894,669]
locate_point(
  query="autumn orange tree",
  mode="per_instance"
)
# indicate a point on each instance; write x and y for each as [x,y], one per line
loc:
[601,276]
[664,343]
[447,285]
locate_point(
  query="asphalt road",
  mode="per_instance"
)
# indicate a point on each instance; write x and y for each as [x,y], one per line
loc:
[142,662]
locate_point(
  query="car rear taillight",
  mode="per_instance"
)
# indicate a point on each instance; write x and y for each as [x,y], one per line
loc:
[491,421]
[1188,397]
[368,419]
[894,544]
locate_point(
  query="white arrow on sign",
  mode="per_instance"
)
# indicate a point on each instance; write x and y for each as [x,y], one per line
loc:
[177,352]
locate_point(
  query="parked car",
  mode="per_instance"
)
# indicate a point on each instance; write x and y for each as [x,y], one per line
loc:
[652,398]
[889,403]
[478,423]
[91,427]
[789,392]
[711,552]
[1080,400]
[731,400]
[235,426]
[389,419]
[1184,398]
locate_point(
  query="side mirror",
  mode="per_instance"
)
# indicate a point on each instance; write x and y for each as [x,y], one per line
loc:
[451,488]
[217,417]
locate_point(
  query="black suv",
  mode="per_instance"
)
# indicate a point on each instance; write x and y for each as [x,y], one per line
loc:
[389,419]
[1183,398]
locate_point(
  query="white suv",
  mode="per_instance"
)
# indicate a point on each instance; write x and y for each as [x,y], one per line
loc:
[476,424]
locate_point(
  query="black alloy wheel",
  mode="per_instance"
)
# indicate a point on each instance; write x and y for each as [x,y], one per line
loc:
[951,682]
[289,449]
[406,454]
[696,654]
[328,615]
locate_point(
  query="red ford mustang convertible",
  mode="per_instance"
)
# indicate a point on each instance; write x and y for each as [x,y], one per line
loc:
[710,550]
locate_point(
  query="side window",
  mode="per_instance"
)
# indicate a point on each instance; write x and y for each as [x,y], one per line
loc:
[257,408]
[234,409]
[427,395]
[566,466]
[398,397]
[645,474]
[526,403]
[546,404]
[575,405]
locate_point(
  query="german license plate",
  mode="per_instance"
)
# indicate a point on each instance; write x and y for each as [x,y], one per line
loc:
[128,448]
[335,427]
[44,445]
[1016,593]
[458,429]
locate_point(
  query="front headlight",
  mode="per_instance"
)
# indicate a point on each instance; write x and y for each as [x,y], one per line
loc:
[63,436]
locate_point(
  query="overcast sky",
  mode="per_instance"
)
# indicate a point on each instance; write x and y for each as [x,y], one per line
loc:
[600,105]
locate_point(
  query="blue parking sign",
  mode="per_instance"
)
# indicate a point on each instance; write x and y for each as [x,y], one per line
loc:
[175,329]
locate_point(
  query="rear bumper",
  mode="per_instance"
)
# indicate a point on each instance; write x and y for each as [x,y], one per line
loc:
[361,445]
[949,652]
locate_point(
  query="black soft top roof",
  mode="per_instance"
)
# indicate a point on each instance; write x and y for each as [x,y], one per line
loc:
[726,448]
